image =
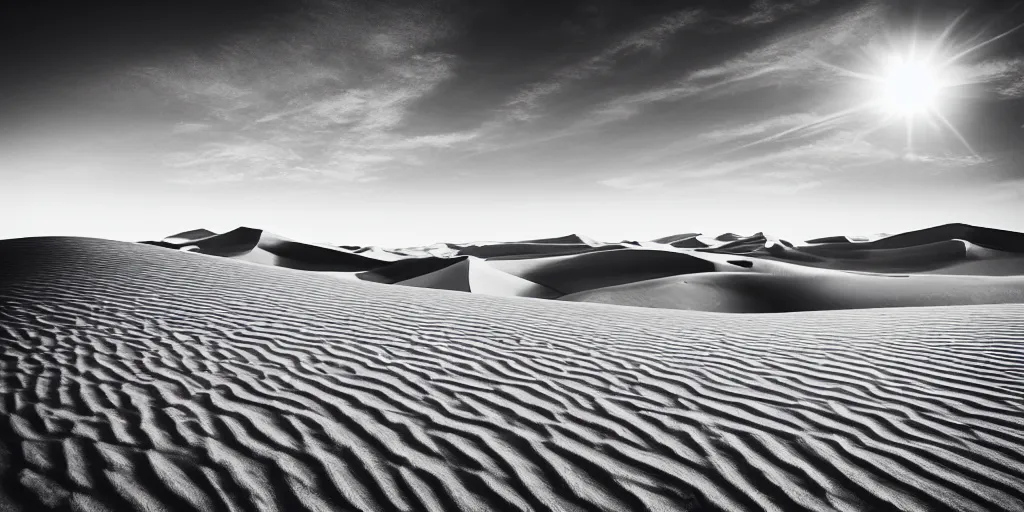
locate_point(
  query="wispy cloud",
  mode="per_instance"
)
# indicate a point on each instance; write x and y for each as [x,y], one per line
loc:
[332,88]
[522,106]
[793,58]
[946,160]
[769,11]
[731,133]
[1004,76]
[836,151]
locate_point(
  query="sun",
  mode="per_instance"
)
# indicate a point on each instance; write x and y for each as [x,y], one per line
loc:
[908,83]
[909,87]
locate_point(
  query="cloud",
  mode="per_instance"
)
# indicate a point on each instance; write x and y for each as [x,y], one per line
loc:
[794,58]
[759,127]
[321,97]
[525,103]
[1004,76]
[769,11]
[189,128]
[218,161]
[521,107]
[947,160]
[836,151]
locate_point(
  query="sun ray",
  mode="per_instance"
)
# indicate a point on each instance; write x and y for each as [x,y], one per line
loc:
[981,45]
[910,135]
[956,132]
[861,135]
[939,41]
[812,124]
[846,71]
[912,83]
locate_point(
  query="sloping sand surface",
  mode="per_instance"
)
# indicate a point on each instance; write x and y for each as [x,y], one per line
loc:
[674,238]
[947,256]
[476,276]
[753,292]
[137,378]
[189,236]
[523,249]
[998,239]
[573,239]
[570,274]
[562,252]
[691,242]
[258,246]
[407,269]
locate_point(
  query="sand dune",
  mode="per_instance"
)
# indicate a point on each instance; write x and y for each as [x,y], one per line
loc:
[138,378]
[692,242]
[754,292]
[528,249]
[986,237]
[947,256]
[407,269]
[258,246]
[575,273]
[573,239]
[572,264]
[189,236]
[674,238]
[475,275]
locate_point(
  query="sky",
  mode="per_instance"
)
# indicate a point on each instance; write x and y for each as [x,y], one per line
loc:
[400,123]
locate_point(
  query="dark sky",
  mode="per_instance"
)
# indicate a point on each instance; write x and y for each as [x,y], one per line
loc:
[406,122]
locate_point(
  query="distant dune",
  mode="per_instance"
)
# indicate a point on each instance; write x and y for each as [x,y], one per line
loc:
[524,249]
[752,292]
[189,236]
[569,274]
[258,246]
[139,378]
[675,238]
[477,276]
[641,273]
[572,239]
[998,239]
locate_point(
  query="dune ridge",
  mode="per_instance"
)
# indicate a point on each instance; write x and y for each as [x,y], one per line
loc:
[649,273]
[133,377]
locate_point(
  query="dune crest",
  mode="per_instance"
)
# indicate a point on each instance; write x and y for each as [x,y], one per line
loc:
[643,273]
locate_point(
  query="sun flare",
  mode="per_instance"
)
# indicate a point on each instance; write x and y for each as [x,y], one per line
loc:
[907,83]
[909,87]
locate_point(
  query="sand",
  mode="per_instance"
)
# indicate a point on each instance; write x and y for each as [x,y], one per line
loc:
[755,292]
[477,276]
[264,248]
[135,377]
[953,264]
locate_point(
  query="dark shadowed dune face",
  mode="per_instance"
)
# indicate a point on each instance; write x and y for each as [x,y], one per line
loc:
[570,274]
[189,236]
[688,243]
[139,378]
[671,239]
[523,249]
[753,292]
[997,239]
[407,269]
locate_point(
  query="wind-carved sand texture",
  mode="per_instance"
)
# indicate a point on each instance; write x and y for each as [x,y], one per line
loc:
[136,377]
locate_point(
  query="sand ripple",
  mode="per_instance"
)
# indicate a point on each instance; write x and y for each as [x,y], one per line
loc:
[133,377]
